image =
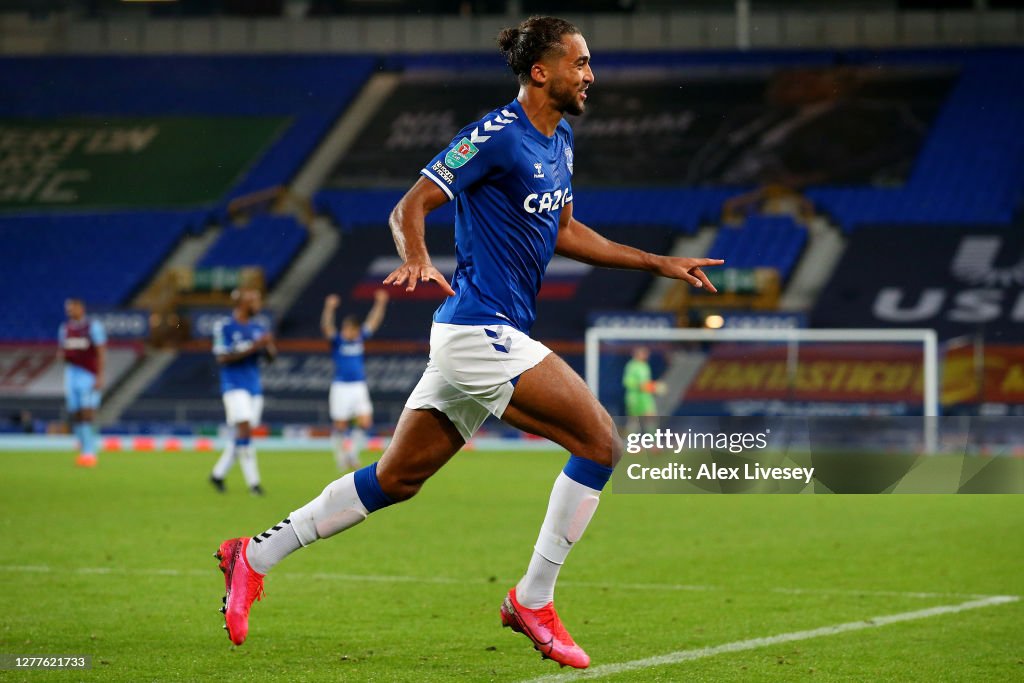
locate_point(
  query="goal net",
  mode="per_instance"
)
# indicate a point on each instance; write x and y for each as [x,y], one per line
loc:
[890,377]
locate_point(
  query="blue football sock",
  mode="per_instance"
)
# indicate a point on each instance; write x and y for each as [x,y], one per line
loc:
[587,472]
[89,438]
[78,431]
[370,493]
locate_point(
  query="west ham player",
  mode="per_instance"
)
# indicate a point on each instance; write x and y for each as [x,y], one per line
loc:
[238,343]
[510,177]
[83,348]
[350,398]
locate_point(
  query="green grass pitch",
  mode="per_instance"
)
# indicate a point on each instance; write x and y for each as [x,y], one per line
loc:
[116,563]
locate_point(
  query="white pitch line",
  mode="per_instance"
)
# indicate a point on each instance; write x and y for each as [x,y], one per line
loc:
[447,580]
[642,586]
[27,568]
[754,643]
[384,578]
[876,593]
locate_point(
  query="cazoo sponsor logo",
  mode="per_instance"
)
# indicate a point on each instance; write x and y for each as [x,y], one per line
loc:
[549,201]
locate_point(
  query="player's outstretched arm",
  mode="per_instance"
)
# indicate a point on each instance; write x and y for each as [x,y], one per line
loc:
[376,314]
[580,243]
[407,227]
[327,316]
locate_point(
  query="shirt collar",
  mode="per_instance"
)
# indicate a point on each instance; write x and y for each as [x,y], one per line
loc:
[517,109]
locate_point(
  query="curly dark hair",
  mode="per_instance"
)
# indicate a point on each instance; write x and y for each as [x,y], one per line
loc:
[531,41]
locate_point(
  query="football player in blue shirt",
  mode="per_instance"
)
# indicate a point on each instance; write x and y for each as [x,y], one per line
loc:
[510,176]
[349,399]
[83,348]
[238,343]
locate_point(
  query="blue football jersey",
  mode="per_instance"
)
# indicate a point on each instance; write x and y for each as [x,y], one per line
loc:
[348,357]
[231,336]
[509,183]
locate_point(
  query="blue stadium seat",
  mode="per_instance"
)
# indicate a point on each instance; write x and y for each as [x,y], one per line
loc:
[270,242]
[102,259]
[762,241]
[971,168]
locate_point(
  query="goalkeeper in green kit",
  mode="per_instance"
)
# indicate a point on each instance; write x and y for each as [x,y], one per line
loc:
[640,388]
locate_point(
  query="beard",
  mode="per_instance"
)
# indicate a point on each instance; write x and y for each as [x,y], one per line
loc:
[566,99]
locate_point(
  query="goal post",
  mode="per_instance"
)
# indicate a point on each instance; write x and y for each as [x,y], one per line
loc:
[793,340]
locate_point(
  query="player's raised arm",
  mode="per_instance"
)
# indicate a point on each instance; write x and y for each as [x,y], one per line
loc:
[327,316]
[376,314]
[581,243]
[407,227]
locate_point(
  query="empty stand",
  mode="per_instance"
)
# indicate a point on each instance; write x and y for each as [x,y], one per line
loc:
[762,241]
[270,242]
[311,90]
[971,169]
[102,259]
[106,259]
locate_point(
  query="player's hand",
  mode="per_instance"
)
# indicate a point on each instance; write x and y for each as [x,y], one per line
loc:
[688,270]
[332,301]
[412,272]
[98,384]
[381,296]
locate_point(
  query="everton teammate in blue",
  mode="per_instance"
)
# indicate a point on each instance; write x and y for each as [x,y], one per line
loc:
[510,176]
[239,343]
[83,348]
[349,399]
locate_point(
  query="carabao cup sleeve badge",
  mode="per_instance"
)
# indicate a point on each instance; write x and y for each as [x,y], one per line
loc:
[458,155]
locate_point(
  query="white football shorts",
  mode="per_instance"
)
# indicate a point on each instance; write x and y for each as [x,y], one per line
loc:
[349,399]
[471,372]
[241,406]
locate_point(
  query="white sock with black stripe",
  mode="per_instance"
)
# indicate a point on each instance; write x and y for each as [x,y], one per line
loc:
[273,545]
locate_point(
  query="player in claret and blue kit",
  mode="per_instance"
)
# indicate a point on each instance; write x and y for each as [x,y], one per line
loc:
[510,176]
[238,343]
[84,351]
